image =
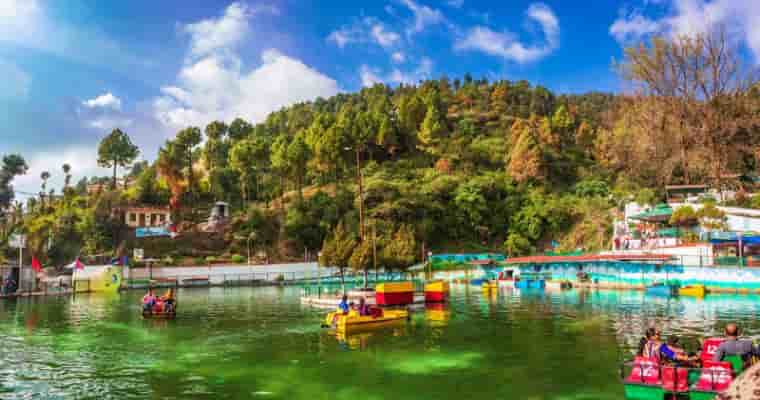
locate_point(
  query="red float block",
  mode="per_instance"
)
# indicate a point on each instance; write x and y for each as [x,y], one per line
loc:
[394,298]
[436,297]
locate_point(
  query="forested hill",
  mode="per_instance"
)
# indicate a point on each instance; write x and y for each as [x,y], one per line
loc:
[446,165]
[468,164]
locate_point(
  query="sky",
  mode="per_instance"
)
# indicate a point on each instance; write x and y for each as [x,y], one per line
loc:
[72,70]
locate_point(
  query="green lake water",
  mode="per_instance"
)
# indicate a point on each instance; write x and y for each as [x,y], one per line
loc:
[244,343]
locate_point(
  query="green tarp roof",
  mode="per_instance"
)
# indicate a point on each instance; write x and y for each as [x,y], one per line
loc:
[659,213]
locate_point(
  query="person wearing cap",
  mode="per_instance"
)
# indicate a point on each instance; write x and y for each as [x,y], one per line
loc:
[733,346]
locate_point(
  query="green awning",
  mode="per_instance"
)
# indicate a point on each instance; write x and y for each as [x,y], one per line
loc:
[660,213]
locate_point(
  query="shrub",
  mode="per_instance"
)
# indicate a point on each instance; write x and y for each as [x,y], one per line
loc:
[237,259]
[168,260]
[211,259]
[280,278]
[591,188]
[199,260]
[755,202]
[684,216]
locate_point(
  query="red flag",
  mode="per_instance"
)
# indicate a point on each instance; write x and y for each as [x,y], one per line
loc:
[78,264]
[36,266]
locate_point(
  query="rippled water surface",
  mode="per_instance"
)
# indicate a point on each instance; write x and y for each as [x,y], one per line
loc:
[242,343]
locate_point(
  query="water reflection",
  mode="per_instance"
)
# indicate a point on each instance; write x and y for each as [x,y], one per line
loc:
[247,342]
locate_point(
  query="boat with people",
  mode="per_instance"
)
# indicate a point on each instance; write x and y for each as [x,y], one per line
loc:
[378,317]
[159,307]
[699,378]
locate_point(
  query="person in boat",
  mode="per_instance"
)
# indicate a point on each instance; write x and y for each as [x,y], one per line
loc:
[363,307]
[169,300]
[149,301]
[672,352]
[733,346]
[652,347]
[343,306]
[650,332]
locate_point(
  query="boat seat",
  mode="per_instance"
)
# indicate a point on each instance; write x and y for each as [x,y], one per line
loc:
[674,379]
[715,377]
[645,371]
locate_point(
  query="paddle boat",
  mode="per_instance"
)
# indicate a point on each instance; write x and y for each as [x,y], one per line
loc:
[661,289]
[353,321]
[692,290]
[159,315]
[532,280]
[647,379]
[558,285]
[490,285]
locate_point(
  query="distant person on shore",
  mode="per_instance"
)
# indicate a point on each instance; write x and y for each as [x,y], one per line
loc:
[733,346]
[343,306]
[149,300]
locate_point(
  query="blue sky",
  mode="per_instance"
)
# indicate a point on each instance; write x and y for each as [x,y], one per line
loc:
[75,69]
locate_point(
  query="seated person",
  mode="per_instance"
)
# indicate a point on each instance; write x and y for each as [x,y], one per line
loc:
[733,346]
[168,300]
[670,351]
[343,306]
[363,307]
[651,348]
[648,335]
[149,300]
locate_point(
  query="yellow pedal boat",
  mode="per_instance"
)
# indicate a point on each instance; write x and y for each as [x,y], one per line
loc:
[353,321]
[692,290]
[490,285]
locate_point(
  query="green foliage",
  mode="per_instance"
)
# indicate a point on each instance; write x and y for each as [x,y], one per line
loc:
[401,251]
[338,249]
[517,245]
[646,197]
[13,165]
[237,259]
[116,150]
[755,202]
[684,216]
[210,259]
[711,217]
[592,188]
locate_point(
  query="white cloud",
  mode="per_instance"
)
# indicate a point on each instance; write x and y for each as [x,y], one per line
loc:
[398,57]
[383,37]
[455,3]
[424,16]
[108,123]
[16,82]
[689,17]
[341,37]
[214,84]
[22,9]
[370,76]
[226,31]
[366,30]
[106,100]
[506,45]
[27,24]
[82,159]
[633,28]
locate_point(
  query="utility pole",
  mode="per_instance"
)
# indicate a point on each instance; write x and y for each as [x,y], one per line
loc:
[361,194]
[374,249]
[361,189]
